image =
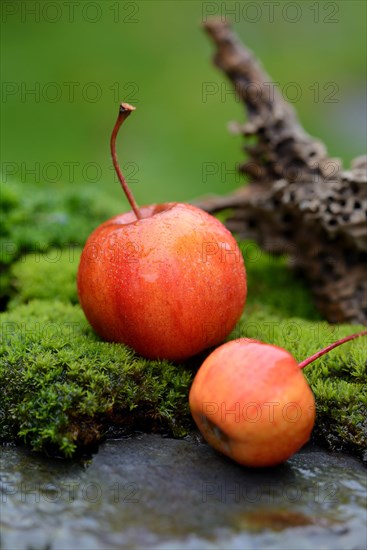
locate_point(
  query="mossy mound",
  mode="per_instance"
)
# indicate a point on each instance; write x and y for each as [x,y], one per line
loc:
[272,283]
[63,389]
[38,220]
[45,276]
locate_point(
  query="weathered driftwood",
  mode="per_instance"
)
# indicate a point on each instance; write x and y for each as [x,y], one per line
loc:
[299,201]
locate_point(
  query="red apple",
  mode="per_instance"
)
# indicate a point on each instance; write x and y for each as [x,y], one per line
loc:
[167,280]
[252,402]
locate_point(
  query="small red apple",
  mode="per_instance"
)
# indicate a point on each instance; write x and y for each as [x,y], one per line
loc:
[167,280]
[251,401]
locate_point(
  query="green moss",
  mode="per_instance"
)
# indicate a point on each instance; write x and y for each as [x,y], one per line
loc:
[63,388]
[51,275]
[273,284]
[35,220]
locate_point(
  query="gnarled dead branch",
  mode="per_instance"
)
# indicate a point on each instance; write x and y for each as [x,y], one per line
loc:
[299,201]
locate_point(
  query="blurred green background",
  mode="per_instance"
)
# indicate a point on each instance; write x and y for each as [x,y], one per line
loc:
[81,58]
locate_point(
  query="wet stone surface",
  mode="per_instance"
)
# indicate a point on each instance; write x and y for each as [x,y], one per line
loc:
[153,492]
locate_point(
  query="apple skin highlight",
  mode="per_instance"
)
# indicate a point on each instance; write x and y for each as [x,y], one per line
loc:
[251,402]
[169,284]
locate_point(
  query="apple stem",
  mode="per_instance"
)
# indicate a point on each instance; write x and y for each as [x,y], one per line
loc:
[322,352]
[124,111]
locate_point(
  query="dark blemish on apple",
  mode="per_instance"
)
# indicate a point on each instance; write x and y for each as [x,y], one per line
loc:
[214,430]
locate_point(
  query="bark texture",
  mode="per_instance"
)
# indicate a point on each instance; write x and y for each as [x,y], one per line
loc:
[299,201]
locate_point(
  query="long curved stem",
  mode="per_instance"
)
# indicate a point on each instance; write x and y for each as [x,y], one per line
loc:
[322,352]
[124,111]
